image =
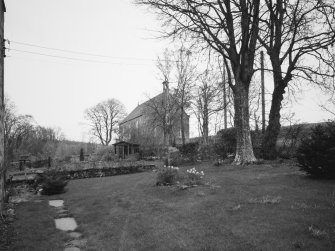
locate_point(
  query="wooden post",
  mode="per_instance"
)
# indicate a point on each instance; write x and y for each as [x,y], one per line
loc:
[2,131]
[263,92]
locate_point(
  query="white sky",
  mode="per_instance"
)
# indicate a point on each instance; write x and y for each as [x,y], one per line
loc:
[57,91]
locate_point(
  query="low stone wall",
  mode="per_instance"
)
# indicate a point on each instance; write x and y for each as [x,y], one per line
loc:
[85,170]
[85,165]
[104,172]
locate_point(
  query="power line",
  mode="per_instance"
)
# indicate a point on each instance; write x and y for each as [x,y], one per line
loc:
[71,58]
[77,52]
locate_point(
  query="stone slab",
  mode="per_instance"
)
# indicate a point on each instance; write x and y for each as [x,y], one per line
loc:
[66,224]
[75,235]
[56,203]
[72,249]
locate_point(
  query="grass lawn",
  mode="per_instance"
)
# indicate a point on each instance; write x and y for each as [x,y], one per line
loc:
[258,207]
[34,228]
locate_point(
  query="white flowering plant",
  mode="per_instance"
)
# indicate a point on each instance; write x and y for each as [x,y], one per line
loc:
[194,177]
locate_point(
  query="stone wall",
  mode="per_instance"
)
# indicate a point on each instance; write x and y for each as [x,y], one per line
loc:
[104,172]
[83,170]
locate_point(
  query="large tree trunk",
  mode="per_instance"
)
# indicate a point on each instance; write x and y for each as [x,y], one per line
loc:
[2,162]
[273,129]
[244,151]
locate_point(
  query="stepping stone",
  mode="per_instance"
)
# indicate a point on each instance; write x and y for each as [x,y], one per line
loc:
[75,235]
[72,249]
[62,211]
[201,193]
[66,224]
[65,215]
[77,243]
[56,203]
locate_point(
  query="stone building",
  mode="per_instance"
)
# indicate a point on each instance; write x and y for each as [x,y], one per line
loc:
[156,122]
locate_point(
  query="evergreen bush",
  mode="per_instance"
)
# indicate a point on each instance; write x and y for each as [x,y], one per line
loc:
[316,154]
[81,155]
[52,182]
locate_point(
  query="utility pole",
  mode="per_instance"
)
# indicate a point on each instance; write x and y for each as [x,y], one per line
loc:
[263,92]
[166,94]
[2,130]
[224,96]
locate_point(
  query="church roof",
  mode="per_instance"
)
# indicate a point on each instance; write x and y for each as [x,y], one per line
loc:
[140,109]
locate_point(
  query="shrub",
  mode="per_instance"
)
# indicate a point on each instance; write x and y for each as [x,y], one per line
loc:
[169,175]
[175,157]
[316,154]
[206,152]
[257,140]
[189,151]
[226,142]
[52,182]
[289,139]
[105,153]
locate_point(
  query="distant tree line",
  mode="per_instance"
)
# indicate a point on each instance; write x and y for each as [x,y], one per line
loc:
[23,136]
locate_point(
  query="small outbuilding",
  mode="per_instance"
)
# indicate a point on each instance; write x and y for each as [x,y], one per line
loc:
[125,149]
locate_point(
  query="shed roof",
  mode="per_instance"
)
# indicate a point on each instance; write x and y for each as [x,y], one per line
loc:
[125,143]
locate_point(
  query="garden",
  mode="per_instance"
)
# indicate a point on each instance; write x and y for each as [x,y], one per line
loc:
[269,206]
[190,204]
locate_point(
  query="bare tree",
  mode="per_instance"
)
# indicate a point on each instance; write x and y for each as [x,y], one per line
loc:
[164,65]
[296,35]
[185,75]
[17,129]
[227,81]
[104,118]
[231,29]
[162,112]
[161,108]
[207,101]
[329,106]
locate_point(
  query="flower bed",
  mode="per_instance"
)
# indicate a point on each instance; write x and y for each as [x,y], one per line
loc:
[171,175]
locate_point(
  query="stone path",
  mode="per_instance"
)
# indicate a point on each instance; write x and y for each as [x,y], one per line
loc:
[64,221]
